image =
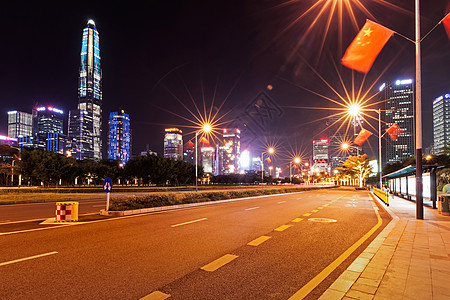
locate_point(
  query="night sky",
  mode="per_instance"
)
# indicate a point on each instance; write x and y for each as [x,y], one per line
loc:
[154,55]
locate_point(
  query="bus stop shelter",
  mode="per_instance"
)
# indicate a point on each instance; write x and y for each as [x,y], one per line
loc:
[403,182]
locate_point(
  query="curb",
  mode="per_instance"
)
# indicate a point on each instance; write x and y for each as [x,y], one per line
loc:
[339,288]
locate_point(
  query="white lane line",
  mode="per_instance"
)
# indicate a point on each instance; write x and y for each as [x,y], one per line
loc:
[282,202]
[251,208]
[185,223]
[26,258]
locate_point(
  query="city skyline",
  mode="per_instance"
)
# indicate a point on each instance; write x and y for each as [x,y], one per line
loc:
[153,77]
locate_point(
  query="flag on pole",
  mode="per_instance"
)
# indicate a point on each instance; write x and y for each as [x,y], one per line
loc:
[204,141]
[364,49]
[269,160]
[394,131]
[362,137]
[446,22]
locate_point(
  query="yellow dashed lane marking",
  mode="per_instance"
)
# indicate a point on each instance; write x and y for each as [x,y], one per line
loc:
[314,210]
[220,262]
[296,220]
[156,296]
[325,205]
[283,227]
[307,288]
[320,207]
[307,214]
[259,241]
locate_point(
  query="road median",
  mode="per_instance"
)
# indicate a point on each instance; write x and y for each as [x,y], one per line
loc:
[156,202]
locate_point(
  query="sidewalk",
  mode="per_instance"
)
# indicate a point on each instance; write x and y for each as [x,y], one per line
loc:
[409,259]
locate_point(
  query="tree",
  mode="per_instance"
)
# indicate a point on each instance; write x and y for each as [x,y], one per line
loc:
[357,166]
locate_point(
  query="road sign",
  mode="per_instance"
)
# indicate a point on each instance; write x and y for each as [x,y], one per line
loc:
[107,185]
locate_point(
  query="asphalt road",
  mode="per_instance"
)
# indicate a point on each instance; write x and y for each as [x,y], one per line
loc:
[132,257]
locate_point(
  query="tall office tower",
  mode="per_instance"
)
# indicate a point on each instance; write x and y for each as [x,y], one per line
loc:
[48,128]
[85,123]
[20,124]
[399,108]
[320,155]
[441,122]
[230,151]
[119,136]
[173,143]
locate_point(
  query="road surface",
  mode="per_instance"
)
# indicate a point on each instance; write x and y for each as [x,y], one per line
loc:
[267,247]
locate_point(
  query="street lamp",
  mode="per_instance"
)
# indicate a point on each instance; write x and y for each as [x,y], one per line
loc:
[296,161]
[355,110]
[270,151]
[345,146]
[206,128]
[270,170]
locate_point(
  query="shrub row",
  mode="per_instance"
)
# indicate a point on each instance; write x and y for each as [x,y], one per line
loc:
[157,200]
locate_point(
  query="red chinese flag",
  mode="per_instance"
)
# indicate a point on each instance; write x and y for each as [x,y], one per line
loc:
[446,23]
[362,137]
[394,131]
[269,160]
[204,141]
[364,49]
[190,145]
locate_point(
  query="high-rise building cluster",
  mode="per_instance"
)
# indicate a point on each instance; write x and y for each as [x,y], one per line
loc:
[44,128]
[222,158]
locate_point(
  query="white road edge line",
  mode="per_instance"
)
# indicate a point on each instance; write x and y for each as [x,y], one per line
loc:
[251,208]
[282,202]
[185,223]
[26,258]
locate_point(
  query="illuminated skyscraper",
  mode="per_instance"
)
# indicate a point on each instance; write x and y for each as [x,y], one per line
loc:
[320,155]
[230,151]
[119,136]
[20,124]
[173,143]
[399,108]
[441,122]
[48,126]
[85,123]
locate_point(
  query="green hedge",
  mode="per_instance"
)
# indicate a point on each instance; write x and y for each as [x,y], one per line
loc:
[157,200]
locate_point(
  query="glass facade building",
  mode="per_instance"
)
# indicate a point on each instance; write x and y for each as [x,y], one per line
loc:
[320,155]
[85,123]
[20,124]
[119,136]
[399,100]
[173,143]
[441,122]
[48,128]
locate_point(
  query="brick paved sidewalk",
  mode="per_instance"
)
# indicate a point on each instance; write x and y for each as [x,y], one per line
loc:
[409,259]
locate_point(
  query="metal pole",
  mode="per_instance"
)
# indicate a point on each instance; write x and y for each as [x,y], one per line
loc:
[379,149]
[107,201]
[196,162]
[262,167]
[290,172]
[419,196]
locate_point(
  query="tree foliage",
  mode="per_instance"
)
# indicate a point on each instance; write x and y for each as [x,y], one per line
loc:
[357,166]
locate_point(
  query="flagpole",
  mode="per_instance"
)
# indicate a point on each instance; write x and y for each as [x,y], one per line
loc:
[419,196]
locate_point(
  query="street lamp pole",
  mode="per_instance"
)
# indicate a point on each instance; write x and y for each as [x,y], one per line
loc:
[290,172]
[196,162]
[379,149]
[419,196]
[262,167]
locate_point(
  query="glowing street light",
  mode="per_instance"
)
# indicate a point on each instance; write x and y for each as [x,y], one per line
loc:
[345,146]
[205,129]
[296,160]
[269,151]
[354,110]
